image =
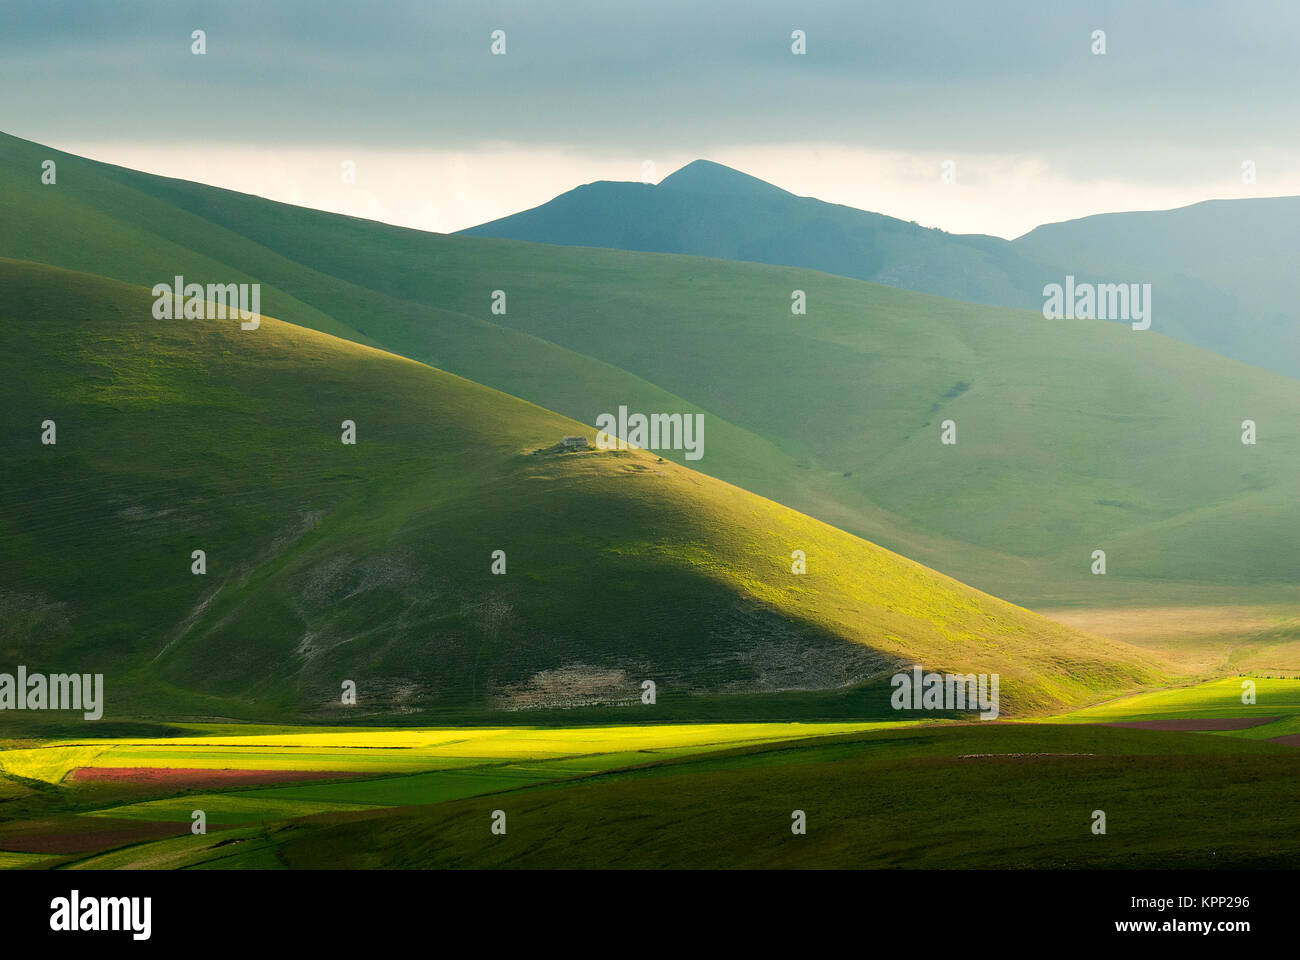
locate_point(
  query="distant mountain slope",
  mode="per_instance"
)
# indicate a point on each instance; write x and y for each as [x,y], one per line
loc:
[706,209]
[328,562]
[1073,436]
[1225,273]
[704,176]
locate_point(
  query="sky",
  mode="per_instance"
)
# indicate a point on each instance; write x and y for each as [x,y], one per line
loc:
[1008,98]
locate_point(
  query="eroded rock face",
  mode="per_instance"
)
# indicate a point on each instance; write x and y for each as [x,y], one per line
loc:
[746,648]
[572,685]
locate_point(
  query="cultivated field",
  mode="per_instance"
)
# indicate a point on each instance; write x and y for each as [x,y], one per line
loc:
[885,794]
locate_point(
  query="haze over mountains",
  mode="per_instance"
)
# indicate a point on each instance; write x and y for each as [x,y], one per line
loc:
[1225,273]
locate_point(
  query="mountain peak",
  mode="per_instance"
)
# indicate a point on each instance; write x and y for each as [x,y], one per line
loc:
[705,176]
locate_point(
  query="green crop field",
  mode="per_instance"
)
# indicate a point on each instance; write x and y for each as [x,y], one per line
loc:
[362,769]
[1272,703]
[1015,795]
[398,750]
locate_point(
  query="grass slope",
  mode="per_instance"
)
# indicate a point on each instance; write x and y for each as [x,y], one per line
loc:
[1072,436]
[328,562]
[1217,699]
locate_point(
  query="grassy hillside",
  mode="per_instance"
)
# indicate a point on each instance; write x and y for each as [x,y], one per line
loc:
[328,562]
[1073,436]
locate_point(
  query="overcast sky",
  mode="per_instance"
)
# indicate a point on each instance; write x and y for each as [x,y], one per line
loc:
[444,134]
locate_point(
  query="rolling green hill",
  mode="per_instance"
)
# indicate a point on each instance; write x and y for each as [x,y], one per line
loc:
[1073,436]
[371,562]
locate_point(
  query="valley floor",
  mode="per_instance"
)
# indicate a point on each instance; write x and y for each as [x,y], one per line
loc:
[1195,778]
[1200,639]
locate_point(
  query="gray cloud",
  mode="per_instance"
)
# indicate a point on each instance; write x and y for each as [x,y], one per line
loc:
[1013,77]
